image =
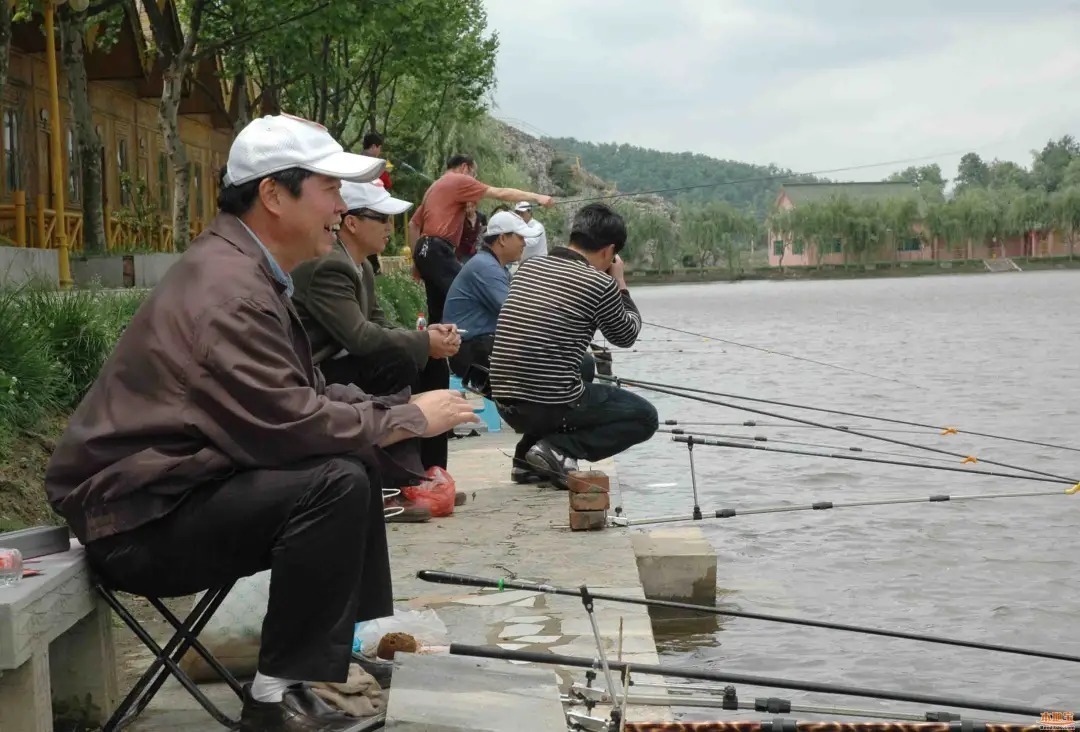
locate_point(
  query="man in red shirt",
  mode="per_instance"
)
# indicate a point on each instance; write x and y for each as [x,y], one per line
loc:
[435,233]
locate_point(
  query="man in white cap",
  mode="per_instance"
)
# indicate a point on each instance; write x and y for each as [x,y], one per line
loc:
[479,291]
[352,341]
[210,448]
[535,245]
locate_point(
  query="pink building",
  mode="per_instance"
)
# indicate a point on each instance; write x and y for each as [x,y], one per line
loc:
[789,251]
[792,252]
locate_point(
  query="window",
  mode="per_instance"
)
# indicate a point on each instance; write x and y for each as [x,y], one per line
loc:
[197,189]
[163,180]
[74,178]
[122,171]
[912,244]
[837,247]
[797,247]
[778,248]
[12,151]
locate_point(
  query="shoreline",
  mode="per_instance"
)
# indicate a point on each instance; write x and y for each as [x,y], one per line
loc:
[879,270]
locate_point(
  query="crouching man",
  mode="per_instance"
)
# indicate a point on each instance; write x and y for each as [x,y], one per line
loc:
[554,307]
[209,448]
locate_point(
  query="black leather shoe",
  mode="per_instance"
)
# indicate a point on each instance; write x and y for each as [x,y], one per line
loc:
[300,710]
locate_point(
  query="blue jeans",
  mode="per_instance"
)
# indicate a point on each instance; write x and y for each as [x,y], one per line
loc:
[605,421]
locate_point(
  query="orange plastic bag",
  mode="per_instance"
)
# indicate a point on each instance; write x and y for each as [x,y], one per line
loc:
[437,492]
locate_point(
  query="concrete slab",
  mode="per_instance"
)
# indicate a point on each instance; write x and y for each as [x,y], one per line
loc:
[676,564]
[451,693]
[504,530]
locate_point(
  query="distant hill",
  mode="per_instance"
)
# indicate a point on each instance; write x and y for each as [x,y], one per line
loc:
[641,169]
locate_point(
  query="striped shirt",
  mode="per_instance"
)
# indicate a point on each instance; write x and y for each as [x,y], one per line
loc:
[555,306]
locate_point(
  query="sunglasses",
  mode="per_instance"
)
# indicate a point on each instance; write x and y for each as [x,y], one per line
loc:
[381,218]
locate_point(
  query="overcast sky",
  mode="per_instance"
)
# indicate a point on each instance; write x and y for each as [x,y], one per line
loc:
[809,85]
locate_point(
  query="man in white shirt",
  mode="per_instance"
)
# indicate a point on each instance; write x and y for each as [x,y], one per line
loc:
[535,246]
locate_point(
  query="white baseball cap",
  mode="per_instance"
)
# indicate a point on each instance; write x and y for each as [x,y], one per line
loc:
[275,143]
[523,206]
[372,196]
[507,222]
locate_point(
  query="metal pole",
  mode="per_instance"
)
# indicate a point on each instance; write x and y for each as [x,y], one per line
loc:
[693,477]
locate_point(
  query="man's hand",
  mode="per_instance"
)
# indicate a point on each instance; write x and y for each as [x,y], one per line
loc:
[443,340]
[545,201]
[616,272]
[444,410]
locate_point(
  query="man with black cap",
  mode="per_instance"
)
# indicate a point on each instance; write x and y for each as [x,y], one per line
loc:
[210,448]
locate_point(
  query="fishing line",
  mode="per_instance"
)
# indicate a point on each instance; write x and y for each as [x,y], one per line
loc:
[452,578]
[762,438]
[755,423]
[721,513]
[1074,487]
[785,355]
[669,389]
[944,430]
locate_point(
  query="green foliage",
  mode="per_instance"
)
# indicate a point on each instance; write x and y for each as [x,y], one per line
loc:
[400,297]
[634,169]
[52,345]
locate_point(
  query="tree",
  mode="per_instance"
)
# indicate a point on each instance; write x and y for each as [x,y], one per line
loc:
[1064,210]
[972,173]
[1049,165]
[927,178]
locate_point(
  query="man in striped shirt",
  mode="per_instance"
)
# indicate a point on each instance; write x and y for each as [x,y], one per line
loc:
[551,314]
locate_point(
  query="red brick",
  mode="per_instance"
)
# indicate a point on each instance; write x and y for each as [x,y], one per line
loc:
[588,481]
[590,501]
[587,520]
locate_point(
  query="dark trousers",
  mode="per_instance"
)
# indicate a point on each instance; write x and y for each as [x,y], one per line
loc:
[387,377]
[605,421]
[317,525]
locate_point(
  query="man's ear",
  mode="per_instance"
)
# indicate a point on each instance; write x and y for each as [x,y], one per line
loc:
[270,195]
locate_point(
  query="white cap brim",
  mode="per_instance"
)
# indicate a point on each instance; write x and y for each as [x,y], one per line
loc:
[348,166]
[390,206]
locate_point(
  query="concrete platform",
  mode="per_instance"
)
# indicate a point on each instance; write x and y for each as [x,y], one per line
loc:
[504,530]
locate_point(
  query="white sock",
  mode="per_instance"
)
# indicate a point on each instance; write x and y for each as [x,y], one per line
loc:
[269,688]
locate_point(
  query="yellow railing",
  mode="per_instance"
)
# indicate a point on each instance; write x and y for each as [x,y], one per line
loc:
[36,228]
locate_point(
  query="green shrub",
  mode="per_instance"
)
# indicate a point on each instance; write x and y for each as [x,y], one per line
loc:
[400,297]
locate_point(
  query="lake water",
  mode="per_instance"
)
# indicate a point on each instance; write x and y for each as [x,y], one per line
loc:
[997,354]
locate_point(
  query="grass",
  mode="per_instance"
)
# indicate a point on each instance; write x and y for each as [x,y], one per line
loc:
[52,347]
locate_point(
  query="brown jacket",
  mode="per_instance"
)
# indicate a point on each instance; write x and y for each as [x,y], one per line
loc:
[338,307]
[213,376]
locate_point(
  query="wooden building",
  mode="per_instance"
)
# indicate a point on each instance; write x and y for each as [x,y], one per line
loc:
[125,83]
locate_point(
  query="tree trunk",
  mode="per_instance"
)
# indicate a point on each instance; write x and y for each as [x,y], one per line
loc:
[5,42]
[72,30]
[243,104]
[168,117]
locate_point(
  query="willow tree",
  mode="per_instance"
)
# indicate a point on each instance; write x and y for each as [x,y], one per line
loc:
[1064,211]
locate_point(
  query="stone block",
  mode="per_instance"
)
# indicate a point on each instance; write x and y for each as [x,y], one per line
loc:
[587,520]
[590,501]
[588,481]
[434,693]
[676,564]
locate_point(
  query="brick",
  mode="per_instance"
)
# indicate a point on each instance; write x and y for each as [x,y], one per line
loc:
[587,520]
[588,481]
[590,501]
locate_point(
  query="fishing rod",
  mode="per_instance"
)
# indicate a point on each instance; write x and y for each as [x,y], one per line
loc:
[554,659]
[785,355]
[944,430]
[451,578]
[726,698]
[825,505]
[679,391]
[763,438]
[780,724]
[1074,487]
[756,423]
